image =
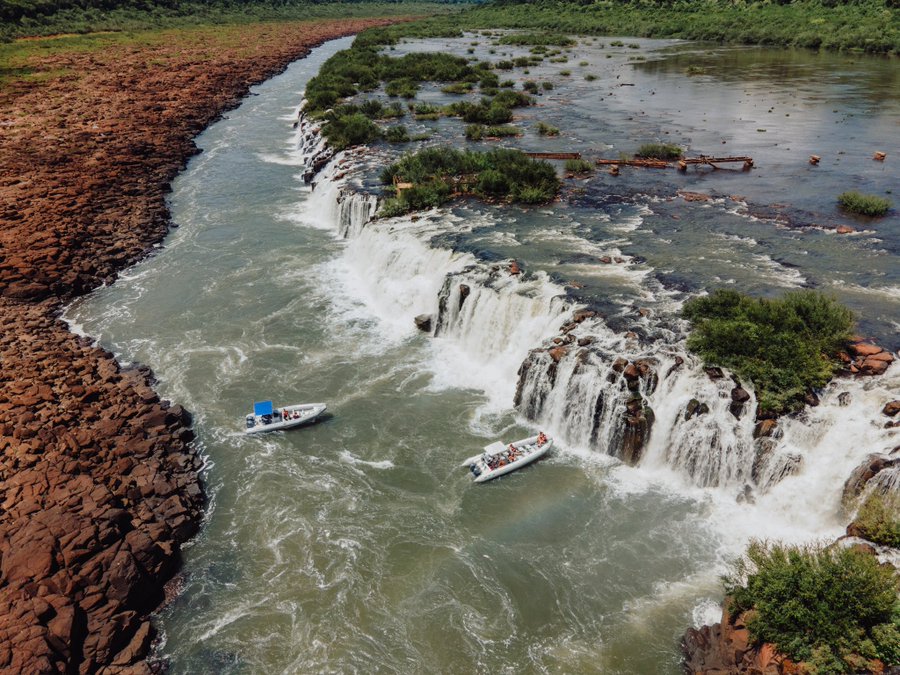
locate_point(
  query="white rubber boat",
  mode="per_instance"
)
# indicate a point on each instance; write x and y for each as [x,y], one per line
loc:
[499,459]
[265,417]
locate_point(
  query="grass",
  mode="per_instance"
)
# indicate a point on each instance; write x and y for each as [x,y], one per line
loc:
[785,346]
[477,132]
[397,134]
[545,129]
[659,151]
[862,204]
[836,609]
[437,174]
[578,166]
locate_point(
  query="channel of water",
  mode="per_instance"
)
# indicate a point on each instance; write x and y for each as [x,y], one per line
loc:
[358,544]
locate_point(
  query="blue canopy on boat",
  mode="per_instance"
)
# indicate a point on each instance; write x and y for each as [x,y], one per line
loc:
[263,408]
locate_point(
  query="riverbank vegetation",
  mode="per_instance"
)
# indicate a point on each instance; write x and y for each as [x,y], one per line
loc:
[785,346]
[878,519]
[836,609]
[862,204]
[436,175]
[56,17]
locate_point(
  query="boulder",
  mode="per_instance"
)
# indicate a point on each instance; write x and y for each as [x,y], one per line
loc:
[870,467]
[891,409]
[423,322]
[864,349]
[694,409]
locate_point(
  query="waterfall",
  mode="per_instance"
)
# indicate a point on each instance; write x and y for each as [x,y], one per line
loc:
[637,395]
[651,403]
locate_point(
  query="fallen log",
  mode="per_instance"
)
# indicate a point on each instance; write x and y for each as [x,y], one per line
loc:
[681,163]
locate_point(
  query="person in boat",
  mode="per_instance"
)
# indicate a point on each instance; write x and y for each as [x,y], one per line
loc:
[541,439]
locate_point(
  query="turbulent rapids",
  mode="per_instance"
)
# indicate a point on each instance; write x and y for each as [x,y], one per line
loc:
[639,397]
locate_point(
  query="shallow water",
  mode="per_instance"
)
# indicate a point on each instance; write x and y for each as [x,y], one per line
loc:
[357,544]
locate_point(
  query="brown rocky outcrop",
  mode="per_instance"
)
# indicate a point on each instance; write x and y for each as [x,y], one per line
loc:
[864,358]
[725,648]
[870,467]
[99,481]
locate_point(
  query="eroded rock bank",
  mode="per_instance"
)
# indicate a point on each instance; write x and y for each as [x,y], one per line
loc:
[100,484]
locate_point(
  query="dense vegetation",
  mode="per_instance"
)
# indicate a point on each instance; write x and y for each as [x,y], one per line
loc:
[878,519]
[833,608]
[785,346]
[865,205]
[436,174]
[45,17]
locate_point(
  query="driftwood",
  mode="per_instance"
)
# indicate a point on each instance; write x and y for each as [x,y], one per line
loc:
[682,163]
[554,155]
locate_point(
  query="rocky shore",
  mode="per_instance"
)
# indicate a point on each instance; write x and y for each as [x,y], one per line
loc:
[100,482]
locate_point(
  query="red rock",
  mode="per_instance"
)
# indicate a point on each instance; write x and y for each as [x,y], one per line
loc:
[891,409]
[558,353]
[864,349]
[845,229]
[873,366]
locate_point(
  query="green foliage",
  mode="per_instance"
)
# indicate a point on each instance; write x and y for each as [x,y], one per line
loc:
[476,132]
[424,111]
[458,88]
[438,173]
[866,205]
[404,87]
[659,151]
[344,131]
[785,347]
[590,78]
[547,86]
[397,134]
[530,86]
[579,166]
[878,519]
[833,607]
[545,129]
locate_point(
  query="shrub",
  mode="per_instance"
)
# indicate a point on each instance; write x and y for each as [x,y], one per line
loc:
[347,130]
[504,65]
[565,73]
[659,151]
[458,88]
[507,84]
[878,519]
[545,129]
[616,43]
[547,86]
[397,134]
[424,111]
[590,78]
[823,605]
[785,347]
[579,166]
[530,86]
[866,205]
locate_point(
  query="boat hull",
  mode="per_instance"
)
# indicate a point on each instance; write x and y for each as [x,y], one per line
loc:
[532,453]
[307,413]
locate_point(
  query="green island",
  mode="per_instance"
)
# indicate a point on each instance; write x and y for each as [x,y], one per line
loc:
[784,346]
[434,175]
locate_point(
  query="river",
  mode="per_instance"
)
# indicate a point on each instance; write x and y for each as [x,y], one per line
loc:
[357,544]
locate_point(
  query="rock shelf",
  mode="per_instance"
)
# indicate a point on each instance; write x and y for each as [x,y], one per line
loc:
[100,482]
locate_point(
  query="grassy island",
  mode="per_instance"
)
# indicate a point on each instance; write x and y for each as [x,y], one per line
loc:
[835,609]
[435,175]
[785,346]
[862,204]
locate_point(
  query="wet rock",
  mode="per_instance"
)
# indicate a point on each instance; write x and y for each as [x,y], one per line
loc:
[844,399]
[870,467]
[514,268]
[891,409]
[864,349]
[811,399]
[714,373]
[694,409]
[639,420]
[585,341]
[423,322]
[765,428]
[725,648]
[464,291]
[557,353]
